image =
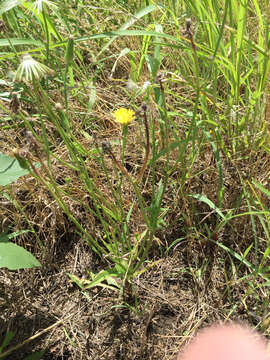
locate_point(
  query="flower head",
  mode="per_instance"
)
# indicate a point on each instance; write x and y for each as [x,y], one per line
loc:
[29,68]
[38,5]
[124,116]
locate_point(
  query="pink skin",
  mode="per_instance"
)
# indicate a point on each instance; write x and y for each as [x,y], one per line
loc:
[226,342]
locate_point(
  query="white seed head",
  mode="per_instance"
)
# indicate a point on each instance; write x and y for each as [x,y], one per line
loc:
[30,69]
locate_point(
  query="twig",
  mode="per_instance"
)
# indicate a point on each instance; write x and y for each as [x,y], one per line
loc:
[27,341]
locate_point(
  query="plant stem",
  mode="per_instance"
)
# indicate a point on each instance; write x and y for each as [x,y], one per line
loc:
[147,147]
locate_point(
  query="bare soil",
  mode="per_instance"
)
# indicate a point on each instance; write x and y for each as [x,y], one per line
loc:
[185,291]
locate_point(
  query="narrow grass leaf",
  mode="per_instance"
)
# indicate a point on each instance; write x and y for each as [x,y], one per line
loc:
[262,188]
[8,336]
[175,242]
[69,51]
[219,166]
[14,42]
[130,22]
[8,5]
[104,275]
[236,255]
[204,199]
[123,52]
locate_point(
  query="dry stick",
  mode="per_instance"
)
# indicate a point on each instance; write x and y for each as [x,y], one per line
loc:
[33,168]
[147,148]
[35,336]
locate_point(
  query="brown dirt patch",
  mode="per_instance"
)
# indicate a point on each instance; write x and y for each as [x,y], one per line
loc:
[178,296]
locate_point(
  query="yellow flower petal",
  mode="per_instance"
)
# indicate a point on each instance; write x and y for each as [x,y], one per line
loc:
[124,116]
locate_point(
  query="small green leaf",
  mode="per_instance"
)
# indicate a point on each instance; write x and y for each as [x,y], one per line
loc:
[92,99]
[107,276]
[104,275]
[155,207]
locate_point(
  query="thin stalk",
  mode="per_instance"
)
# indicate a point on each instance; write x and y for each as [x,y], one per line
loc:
[147,147]
[107,149]
[47,44]
[124,142]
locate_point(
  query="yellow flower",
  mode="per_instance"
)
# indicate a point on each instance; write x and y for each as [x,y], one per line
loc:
[124,116]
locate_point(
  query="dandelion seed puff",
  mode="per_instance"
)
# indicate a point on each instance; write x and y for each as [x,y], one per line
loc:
[30,69]
[131,85]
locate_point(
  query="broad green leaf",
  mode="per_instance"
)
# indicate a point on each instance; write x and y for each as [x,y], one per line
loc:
[10,170]
[155,207]
[15,257]
[152,64]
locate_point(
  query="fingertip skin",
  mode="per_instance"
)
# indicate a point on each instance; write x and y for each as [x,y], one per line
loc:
[226,342]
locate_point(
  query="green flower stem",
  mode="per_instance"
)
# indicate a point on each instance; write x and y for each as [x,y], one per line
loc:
[47,44]
[147,148]
[166,135]
[133,183]
[69,60]
[124,142]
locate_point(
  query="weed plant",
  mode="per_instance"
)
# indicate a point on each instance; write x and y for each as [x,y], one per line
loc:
[150,124]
